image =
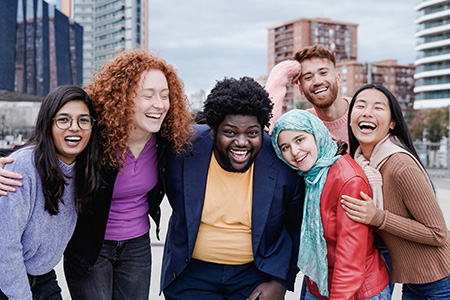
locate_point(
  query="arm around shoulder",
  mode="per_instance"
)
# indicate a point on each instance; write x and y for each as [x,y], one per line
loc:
[7,181]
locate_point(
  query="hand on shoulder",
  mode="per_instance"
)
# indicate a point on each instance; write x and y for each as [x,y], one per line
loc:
[7,178]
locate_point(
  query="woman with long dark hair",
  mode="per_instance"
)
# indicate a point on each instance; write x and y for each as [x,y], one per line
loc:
[60,173]
[404,209]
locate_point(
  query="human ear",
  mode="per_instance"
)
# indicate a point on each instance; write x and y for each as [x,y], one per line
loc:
[392,125]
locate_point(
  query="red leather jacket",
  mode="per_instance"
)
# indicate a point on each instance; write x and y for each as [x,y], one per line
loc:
[356,269]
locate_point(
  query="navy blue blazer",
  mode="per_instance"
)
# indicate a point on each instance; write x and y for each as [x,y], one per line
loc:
[278,195]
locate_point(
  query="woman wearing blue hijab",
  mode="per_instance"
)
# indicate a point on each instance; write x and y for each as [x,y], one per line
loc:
[336,255]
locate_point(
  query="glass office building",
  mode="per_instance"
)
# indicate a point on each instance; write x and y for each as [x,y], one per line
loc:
[40,48]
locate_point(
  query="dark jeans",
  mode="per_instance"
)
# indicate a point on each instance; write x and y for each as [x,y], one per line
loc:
[427,291]
[43,287]
[122,271]
[209,281]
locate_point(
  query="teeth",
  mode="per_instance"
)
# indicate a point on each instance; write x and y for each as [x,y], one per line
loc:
[367,124]
[73,138]
[320,90]
[300,158]
[240,152]
[156,116]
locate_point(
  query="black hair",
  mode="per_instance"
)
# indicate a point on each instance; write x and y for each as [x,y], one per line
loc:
[87,163]
[400,130]
[232,96]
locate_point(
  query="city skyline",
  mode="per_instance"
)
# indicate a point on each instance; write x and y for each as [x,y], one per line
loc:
[206,43]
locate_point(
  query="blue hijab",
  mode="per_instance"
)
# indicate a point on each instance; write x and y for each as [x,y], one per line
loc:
[312,257]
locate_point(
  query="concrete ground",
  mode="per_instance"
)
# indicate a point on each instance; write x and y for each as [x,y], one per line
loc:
[441,183]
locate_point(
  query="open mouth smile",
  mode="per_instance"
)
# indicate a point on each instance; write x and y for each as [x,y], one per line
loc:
[367,126]
[324,89]
[153,115]
[239,155]
[73,140]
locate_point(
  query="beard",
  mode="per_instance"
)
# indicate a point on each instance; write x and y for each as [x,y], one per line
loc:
[324,101]
[225,162]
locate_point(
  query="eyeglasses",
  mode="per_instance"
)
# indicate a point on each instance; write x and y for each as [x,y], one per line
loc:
[65,122]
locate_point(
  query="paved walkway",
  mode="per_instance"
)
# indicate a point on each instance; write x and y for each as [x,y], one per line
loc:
[441,184]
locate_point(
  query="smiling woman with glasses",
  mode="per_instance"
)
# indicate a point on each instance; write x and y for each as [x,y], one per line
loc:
[60,172]
[64,122]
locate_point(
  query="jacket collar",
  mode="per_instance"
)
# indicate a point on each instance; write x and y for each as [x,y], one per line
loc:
[196,174]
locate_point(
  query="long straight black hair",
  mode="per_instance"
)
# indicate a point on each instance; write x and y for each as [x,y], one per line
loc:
[400,130]
[87,163]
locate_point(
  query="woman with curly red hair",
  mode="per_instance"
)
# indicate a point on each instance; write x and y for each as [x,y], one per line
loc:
[142,116]
[142,112]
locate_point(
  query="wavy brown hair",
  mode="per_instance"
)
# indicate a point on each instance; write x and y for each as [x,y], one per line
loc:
[315,51]
[113,89]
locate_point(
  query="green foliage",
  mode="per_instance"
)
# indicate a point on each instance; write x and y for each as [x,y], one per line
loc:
[431,124]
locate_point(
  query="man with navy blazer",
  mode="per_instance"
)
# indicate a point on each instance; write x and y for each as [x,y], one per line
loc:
[237,209]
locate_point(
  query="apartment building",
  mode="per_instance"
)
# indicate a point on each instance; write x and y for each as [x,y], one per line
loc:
[432,86]
[287,38]
[399,79]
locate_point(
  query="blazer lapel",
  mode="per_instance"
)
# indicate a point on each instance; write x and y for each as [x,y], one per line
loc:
[264,182]
[195,177]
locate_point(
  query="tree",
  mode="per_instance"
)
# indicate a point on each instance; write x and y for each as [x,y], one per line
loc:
[430,124]
[417,126]
[437,121]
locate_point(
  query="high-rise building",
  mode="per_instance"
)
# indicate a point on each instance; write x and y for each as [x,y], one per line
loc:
[399,79]
[41,48]
[110,26]
[287,38]
[432,76]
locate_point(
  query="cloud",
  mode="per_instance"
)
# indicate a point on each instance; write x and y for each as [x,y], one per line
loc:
[208,40]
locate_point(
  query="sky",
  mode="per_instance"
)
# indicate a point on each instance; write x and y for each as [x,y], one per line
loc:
[207,40]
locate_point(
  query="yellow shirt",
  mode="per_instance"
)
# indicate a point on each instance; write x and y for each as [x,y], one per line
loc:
[225,235]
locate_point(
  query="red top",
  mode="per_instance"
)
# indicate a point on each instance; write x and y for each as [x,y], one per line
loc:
[356,269]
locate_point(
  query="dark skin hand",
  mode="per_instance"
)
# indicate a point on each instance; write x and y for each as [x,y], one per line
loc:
[270,290]
[7,181]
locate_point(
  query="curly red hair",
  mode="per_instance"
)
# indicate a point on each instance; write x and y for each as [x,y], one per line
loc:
[113,89]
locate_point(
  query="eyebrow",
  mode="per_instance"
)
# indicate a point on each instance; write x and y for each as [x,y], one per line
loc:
[318,70]
[293,139]
[236,126]
[68,115]
[377,102]
[152,89]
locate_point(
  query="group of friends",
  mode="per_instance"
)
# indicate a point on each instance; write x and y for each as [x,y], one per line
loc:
[336,191]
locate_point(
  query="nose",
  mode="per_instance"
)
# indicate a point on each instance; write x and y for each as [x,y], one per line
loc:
[294,151]
[317,79]
[241,140]
[158,102]
[367,112]
[74,126]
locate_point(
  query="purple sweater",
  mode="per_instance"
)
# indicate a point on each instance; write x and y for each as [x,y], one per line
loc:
[31,240]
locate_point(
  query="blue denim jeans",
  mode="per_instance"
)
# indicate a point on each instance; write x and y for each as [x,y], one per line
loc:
[43,287]
[427,291]
[387,259]
[209,281]
[383,295]
[122,271]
